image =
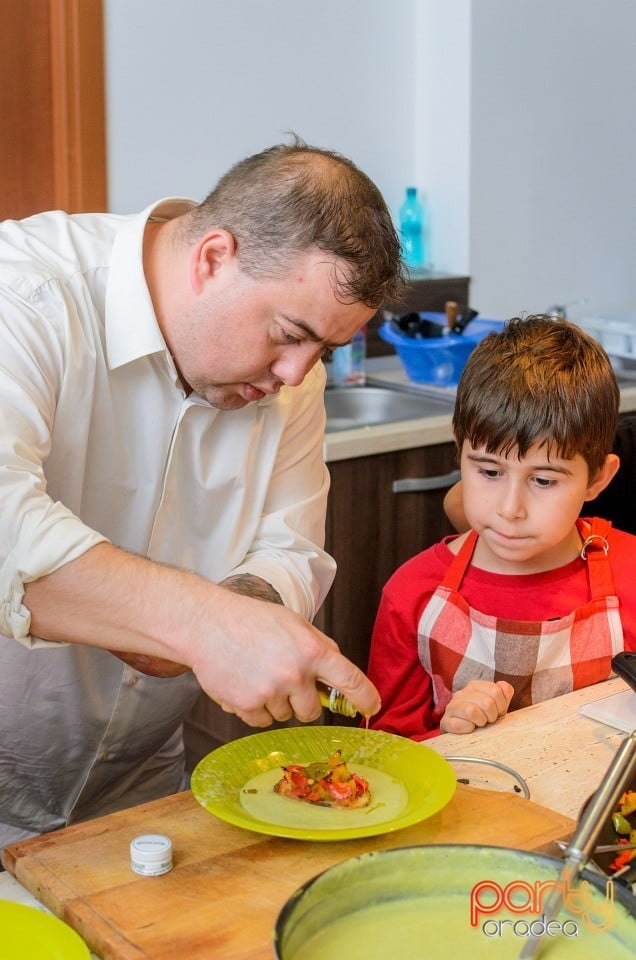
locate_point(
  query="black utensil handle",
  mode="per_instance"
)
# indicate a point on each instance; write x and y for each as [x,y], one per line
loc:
[464,319]
[625,666]
[408,324]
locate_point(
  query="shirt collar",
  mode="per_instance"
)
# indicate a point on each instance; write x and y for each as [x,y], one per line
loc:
[131,326]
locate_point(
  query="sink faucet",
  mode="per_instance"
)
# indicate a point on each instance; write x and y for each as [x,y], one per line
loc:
[561,309]
[558,310]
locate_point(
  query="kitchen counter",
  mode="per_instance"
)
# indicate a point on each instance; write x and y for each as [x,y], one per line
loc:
[559,753]
[228,884]
[421,432]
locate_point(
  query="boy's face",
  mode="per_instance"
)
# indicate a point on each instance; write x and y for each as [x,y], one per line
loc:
[525,510]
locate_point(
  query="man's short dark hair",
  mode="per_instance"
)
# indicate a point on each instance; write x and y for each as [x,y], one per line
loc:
[291,198]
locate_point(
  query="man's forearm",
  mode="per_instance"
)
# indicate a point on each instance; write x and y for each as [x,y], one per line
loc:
[245,584]
[259,660]
[55,603]
[118,601]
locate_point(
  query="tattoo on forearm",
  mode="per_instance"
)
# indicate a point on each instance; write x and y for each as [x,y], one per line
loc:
[251,586]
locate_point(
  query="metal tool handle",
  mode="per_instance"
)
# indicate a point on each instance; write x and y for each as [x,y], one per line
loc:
[603,803]
[582,844]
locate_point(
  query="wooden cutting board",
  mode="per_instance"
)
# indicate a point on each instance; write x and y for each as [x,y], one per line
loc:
[227,886]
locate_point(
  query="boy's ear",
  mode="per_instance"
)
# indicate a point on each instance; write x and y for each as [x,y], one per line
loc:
[603,477]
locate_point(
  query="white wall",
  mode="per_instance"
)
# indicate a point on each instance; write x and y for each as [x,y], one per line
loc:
[442,127]
[553,155]
[515,117]
[192,86]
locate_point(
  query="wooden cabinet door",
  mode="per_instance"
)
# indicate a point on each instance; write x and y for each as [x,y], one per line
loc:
[53,152]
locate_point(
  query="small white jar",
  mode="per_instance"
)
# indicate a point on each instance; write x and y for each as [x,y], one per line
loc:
[151,855]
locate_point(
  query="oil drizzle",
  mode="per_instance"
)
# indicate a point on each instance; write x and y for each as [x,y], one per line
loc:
[365,737]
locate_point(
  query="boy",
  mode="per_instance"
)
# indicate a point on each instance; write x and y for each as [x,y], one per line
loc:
[532,602]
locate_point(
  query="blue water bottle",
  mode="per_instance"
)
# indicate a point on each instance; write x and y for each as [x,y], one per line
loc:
[412,229]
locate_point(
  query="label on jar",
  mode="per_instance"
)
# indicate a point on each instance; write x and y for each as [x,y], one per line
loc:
[151,855]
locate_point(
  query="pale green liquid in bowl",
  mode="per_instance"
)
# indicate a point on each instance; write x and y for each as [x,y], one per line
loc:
[415,904]
[439,928]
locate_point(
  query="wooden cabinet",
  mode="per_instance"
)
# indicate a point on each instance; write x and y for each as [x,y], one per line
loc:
[373,526]
[52,107]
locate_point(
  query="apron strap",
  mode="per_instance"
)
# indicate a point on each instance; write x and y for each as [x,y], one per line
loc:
[594,551]
[461,562]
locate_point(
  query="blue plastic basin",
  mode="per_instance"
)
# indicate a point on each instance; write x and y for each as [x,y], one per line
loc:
[438,360]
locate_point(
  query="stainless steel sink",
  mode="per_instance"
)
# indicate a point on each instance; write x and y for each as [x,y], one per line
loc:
[349,407]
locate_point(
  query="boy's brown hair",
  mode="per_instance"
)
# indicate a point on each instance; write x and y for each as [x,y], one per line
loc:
[542,380]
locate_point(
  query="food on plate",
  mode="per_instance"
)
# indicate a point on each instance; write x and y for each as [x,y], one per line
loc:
[329,784]
[624,823]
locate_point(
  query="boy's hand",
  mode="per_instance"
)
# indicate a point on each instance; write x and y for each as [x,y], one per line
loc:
[479,703]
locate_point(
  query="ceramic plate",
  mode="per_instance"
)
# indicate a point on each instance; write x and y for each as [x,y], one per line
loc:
[29,932]
[427,781]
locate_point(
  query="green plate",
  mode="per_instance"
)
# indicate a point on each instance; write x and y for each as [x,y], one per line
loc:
[27,932]
[219,778]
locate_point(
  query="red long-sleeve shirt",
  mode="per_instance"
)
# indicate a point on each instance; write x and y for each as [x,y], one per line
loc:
[394,665]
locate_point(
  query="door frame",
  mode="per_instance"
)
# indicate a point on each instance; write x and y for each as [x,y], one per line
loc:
[78,105]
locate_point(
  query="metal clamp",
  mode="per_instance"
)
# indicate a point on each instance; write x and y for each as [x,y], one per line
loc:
[590,540]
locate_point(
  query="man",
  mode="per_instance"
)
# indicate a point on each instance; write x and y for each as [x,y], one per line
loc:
[161,472]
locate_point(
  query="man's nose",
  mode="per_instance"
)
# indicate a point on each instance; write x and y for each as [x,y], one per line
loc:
[294,364]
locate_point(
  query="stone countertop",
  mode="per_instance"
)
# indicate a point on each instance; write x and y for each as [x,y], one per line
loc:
[387,437]
[561,754]
[422,432]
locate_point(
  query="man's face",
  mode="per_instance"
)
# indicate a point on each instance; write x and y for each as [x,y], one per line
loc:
[240,339]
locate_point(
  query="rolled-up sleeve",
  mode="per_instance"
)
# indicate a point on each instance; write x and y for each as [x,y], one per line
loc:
[287,549]
[37,534]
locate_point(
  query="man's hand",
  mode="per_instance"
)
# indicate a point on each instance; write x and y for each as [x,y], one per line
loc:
[246,584]
[303,703]
[267,661]
[256,659]
[479,703]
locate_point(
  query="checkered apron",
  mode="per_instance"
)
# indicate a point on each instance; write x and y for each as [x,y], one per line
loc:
[457,643]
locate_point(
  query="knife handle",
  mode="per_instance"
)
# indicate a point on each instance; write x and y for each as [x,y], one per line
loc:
[451,308]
